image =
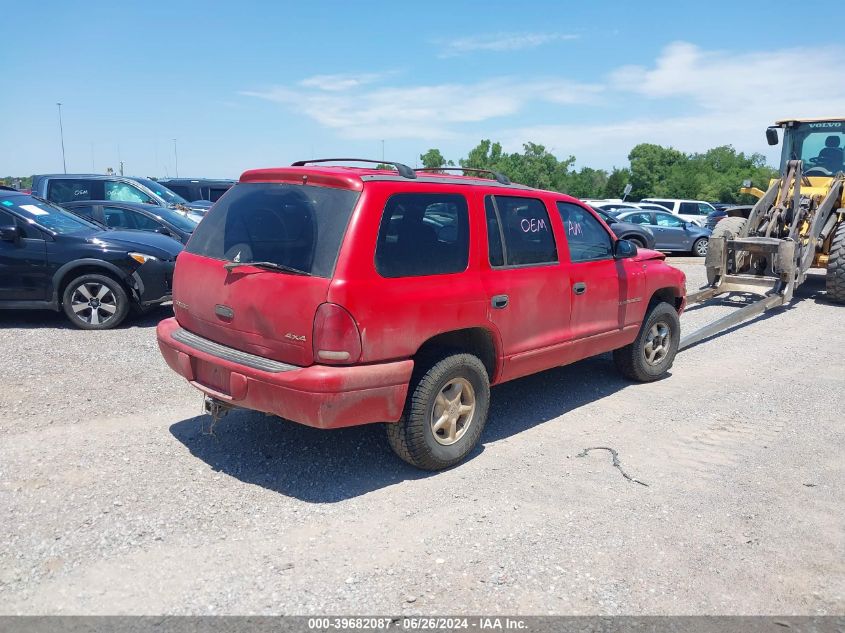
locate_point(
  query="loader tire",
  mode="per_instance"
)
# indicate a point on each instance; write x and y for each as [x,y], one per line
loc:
[835,277]
[728,228]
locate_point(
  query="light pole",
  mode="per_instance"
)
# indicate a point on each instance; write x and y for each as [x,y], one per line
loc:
[62,136]
[176,157]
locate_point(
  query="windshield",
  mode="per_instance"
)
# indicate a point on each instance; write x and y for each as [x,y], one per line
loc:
[819,145]
[299,226]
[178,219]
[161,191]
[46,215]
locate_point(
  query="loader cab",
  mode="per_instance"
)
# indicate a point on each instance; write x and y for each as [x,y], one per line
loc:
[820,144]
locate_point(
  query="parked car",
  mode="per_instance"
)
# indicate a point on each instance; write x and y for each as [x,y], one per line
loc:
[691,210]
[138,216]
[640,235]
[55,260]
[198,188]
[337,296]
[671,233]
[61,188]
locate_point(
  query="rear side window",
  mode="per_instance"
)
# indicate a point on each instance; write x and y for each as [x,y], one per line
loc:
[587,239]
[689,208]
[666,204]
[423,234]
[637,218]
[69,190]
[524,225]
[300,226]
[215,193]
[182,190]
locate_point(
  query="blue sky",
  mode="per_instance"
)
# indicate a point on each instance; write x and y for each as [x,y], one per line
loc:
[243,85]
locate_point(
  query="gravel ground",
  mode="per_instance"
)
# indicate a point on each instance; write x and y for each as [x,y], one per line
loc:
[118,502]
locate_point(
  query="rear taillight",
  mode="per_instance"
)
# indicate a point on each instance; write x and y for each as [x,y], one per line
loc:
[336,339]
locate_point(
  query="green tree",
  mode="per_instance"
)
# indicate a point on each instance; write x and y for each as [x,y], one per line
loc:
[650,168]
[433,159]
[616,181]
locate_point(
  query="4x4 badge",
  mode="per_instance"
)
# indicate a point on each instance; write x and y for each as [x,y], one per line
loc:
[294,337]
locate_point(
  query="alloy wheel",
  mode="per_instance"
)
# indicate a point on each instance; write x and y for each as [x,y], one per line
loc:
[453,411]
[657,343]
[93,303]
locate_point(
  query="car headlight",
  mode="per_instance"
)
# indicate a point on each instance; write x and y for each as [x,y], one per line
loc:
[143,258]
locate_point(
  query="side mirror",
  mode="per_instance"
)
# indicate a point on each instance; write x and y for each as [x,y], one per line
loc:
[772,135]
[10,233]
[163,230]
[623,249]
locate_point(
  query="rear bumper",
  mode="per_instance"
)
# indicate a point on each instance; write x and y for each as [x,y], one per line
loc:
[319,396]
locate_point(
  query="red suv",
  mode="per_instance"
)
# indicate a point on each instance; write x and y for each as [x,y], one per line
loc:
[336,296]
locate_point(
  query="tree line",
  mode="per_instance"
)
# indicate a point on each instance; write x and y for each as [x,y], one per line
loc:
[655,171]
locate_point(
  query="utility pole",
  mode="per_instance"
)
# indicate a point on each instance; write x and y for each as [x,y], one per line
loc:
[176,157]
[382,150]
[62,136]
[93,169]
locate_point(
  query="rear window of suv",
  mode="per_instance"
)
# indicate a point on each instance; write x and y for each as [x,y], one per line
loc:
[300,226]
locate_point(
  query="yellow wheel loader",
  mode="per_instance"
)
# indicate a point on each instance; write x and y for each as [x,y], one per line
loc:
[797,224]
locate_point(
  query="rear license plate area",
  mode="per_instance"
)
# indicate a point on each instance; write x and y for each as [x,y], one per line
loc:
[212,376]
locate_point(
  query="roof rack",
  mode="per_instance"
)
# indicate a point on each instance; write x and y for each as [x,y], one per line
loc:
[497,176]
[404,170]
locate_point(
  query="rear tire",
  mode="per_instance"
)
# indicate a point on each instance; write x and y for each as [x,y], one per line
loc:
[445,412]
[636,241]
[835,276]
[95,302]
[728,228]
[699,247]
[652,353]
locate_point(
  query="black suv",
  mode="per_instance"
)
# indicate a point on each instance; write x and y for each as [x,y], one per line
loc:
[52,259]
[194,189]
[61,188]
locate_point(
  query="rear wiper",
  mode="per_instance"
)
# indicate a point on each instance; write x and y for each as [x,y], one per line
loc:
[268,265]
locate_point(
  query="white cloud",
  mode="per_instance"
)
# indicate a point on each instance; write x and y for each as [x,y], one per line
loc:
[808,77]
[500,42]
[340,82]
[719,97]
[425,112]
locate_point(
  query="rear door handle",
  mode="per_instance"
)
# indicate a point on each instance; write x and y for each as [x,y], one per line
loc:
[499,301]
[579,288]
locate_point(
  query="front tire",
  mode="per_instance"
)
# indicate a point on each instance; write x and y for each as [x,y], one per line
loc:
[445,412]
[652,353]
[835,276]
[699,247]
[95,302]
[728,228]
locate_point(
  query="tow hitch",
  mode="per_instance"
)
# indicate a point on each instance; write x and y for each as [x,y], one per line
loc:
[217,409]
